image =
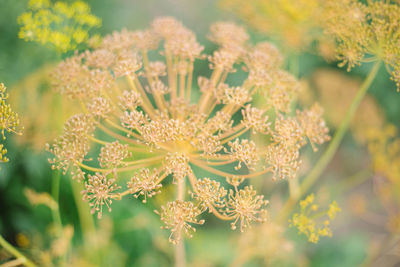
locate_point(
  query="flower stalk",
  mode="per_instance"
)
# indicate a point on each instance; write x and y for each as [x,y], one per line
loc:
[327,156]
[20,257]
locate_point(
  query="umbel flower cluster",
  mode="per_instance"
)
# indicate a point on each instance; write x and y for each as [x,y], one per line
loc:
[365,32]
[152,124]
[9,121]
[352,31]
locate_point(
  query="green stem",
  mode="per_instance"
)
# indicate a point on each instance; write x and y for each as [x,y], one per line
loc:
[333,145]
[7,246]
[354,180]
[55,191]
[85,217]
[294,188]
[294,65]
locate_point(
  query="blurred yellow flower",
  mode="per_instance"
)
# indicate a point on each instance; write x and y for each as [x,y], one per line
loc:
[294,23]
[309,221]
[65,26]
[384,148]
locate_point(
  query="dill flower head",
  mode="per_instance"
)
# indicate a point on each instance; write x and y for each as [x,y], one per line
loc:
[9,121]
[65,26]
[352,31]
[155,121]
[365,32]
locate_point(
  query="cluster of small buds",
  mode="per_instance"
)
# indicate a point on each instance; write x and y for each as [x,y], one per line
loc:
[158,87]
[127,64]
[313,126]
[283,160]
[220,122]
[232,95]
[177,164]
[133,120]
[3,152]
[281,88]
[253,118]
[365,31]
[178,217]
[77,80]
[129,100]
[71,148]
[309,220]
[264,56]
[144,121]
[209,193]
[112,155]
[157,69]
[99,107]
[9,121]
[145,183]
[227,34]
[244,151]
[287,132]
[99,191]
[224,59]
[246,206]
[179,40]
[209,144]
[101,58]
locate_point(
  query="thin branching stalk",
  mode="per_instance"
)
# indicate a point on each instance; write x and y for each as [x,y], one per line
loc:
[85,218]
[23,260]
[55,190]
[324,160]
